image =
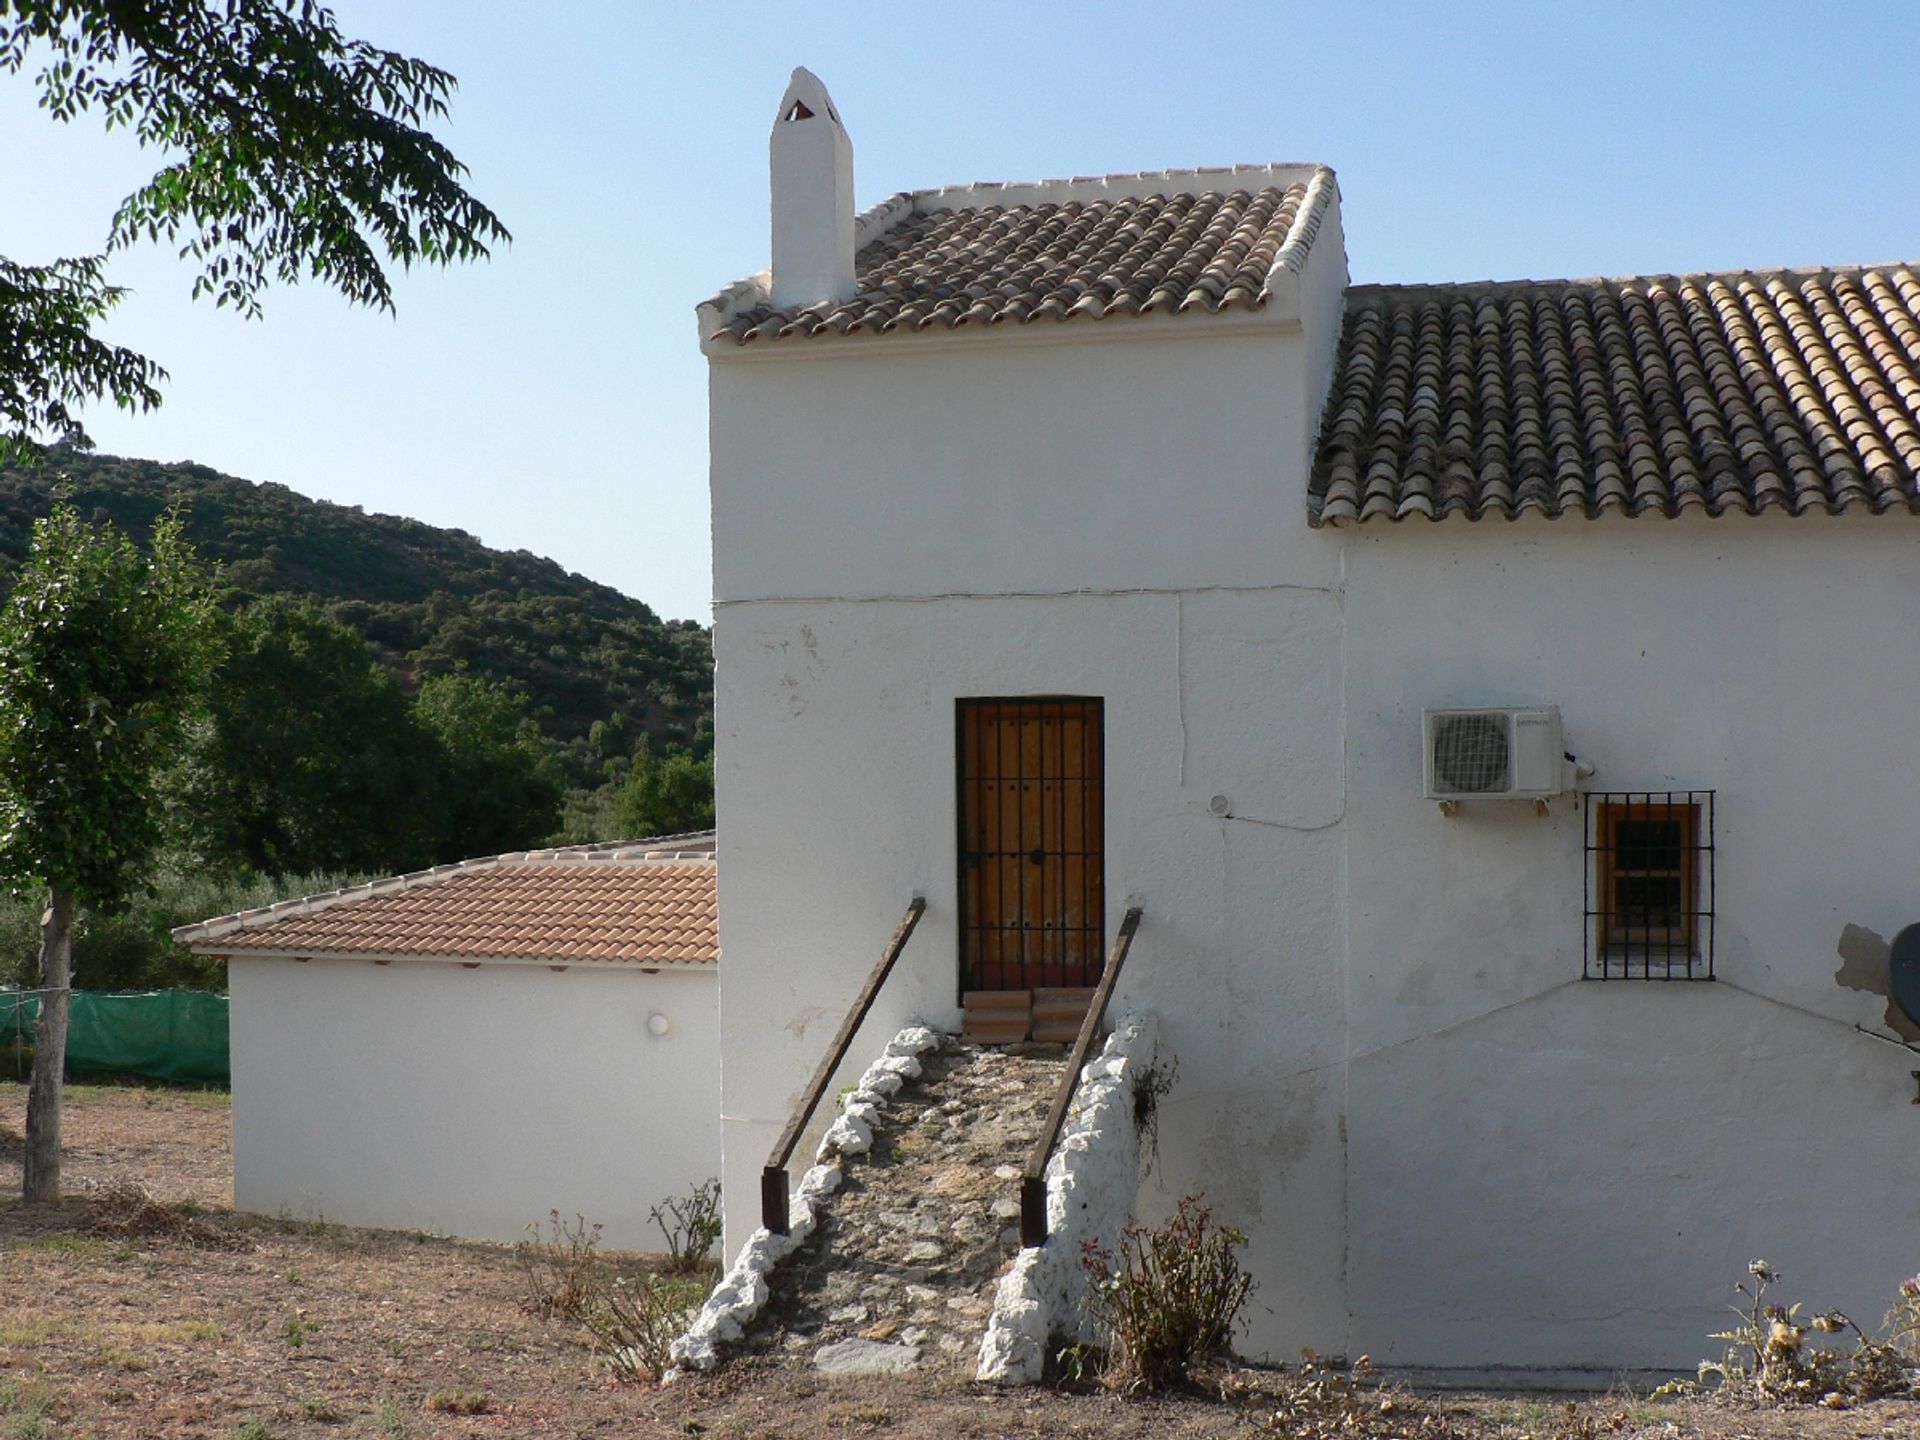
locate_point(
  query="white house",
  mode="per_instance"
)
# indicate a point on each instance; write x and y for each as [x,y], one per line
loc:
[464,1049]
[1118,488]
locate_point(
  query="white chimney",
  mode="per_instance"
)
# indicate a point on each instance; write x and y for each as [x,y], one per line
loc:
[812,164]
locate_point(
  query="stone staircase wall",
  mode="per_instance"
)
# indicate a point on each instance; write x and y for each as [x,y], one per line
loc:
[1092,1181]
[902,1269]
[959,1157]
[742,1290]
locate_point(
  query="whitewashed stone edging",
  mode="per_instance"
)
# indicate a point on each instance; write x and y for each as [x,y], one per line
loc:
[737,1299]
[1091,1183]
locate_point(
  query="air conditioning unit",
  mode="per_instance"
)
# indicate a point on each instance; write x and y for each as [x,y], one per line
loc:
[1494,752]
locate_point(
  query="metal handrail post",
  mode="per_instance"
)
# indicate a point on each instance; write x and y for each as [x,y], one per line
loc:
[1033,1182]
[773,1178]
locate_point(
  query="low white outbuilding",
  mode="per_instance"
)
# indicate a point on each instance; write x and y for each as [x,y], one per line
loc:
[465,1049]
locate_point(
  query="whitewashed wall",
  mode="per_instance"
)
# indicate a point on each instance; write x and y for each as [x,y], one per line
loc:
[1100,510]
[470,1102]
[1548,1172]
[1448,1151]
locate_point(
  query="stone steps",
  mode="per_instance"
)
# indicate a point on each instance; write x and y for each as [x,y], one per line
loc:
[902,1269]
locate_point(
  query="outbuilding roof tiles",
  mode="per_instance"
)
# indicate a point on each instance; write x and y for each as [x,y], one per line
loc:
[1739,392]
[642,904]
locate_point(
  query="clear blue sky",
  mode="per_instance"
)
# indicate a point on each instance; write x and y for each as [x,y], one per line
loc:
[554,398]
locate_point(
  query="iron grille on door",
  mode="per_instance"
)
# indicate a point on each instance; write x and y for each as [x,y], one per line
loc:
[1032,872]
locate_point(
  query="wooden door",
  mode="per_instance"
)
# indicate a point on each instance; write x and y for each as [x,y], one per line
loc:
[1032,853]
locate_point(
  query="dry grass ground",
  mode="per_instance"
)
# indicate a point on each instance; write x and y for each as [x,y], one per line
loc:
[258,1329]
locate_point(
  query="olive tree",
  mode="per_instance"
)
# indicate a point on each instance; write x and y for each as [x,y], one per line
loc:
[103,651]
[291,152]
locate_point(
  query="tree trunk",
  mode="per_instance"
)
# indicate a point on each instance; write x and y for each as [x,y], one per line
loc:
[41,1179]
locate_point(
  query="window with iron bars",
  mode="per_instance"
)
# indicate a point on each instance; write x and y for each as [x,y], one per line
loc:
[1649,885]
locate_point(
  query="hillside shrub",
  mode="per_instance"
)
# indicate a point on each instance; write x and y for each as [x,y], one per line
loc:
[665,794]
[587,817]
[428,601]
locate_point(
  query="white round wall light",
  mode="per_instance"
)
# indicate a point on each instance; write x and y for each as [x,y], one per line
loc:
[658,1024]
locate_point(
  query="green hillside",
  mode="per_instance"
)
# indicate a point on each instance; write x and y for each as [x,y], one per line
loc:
[427,601]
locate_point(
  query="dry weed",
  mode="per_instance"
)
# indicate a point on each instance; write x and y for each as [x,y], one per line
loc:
[1320,1402]
[459,1402]
[125,1210]
[632,1321]
[1773,1359]
[561,1270]
[633,1325]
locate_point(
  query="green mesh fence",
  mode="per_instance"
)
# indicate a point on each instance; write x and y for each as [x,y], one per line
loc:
[165,1034]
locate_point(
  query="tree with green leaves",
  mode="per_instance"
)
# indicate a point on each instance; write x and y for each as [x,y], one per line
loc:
[292,152]
[309,758]
[103,651]
[495,786]
[665,794]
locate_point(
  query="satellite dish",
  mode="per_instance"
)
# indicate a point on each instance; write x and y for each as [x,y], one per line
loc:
[1903,972]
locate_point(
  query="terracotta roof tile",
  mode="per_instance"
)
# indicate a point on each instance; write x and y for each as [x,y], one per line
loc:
[988,255]
[1654,395]
[631,906]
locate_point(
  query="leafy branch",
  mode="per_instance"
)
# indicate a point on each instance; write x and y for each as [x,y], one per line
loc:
[51,362]
[295,153]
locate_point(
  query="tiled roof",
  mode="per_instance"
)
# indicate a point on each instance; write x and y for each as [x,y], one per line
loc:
[1736,392]
[1167,242]
[637,904]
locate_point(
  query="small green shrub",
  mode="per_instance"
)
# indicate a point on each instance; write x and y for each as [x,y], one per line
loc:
[26,1405]
[391,1419]
[1076,1366]
[1170,1298]
[691,1225]
[315,1226]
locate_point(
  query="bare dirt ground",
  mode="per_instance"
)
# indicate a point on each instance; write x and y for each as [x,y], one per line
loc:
[259,1329]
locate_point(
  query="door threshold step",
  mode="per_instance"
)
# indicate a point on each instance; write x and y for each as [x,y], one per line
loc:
[996,1017]
[1047,1014]
[1059,1010]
